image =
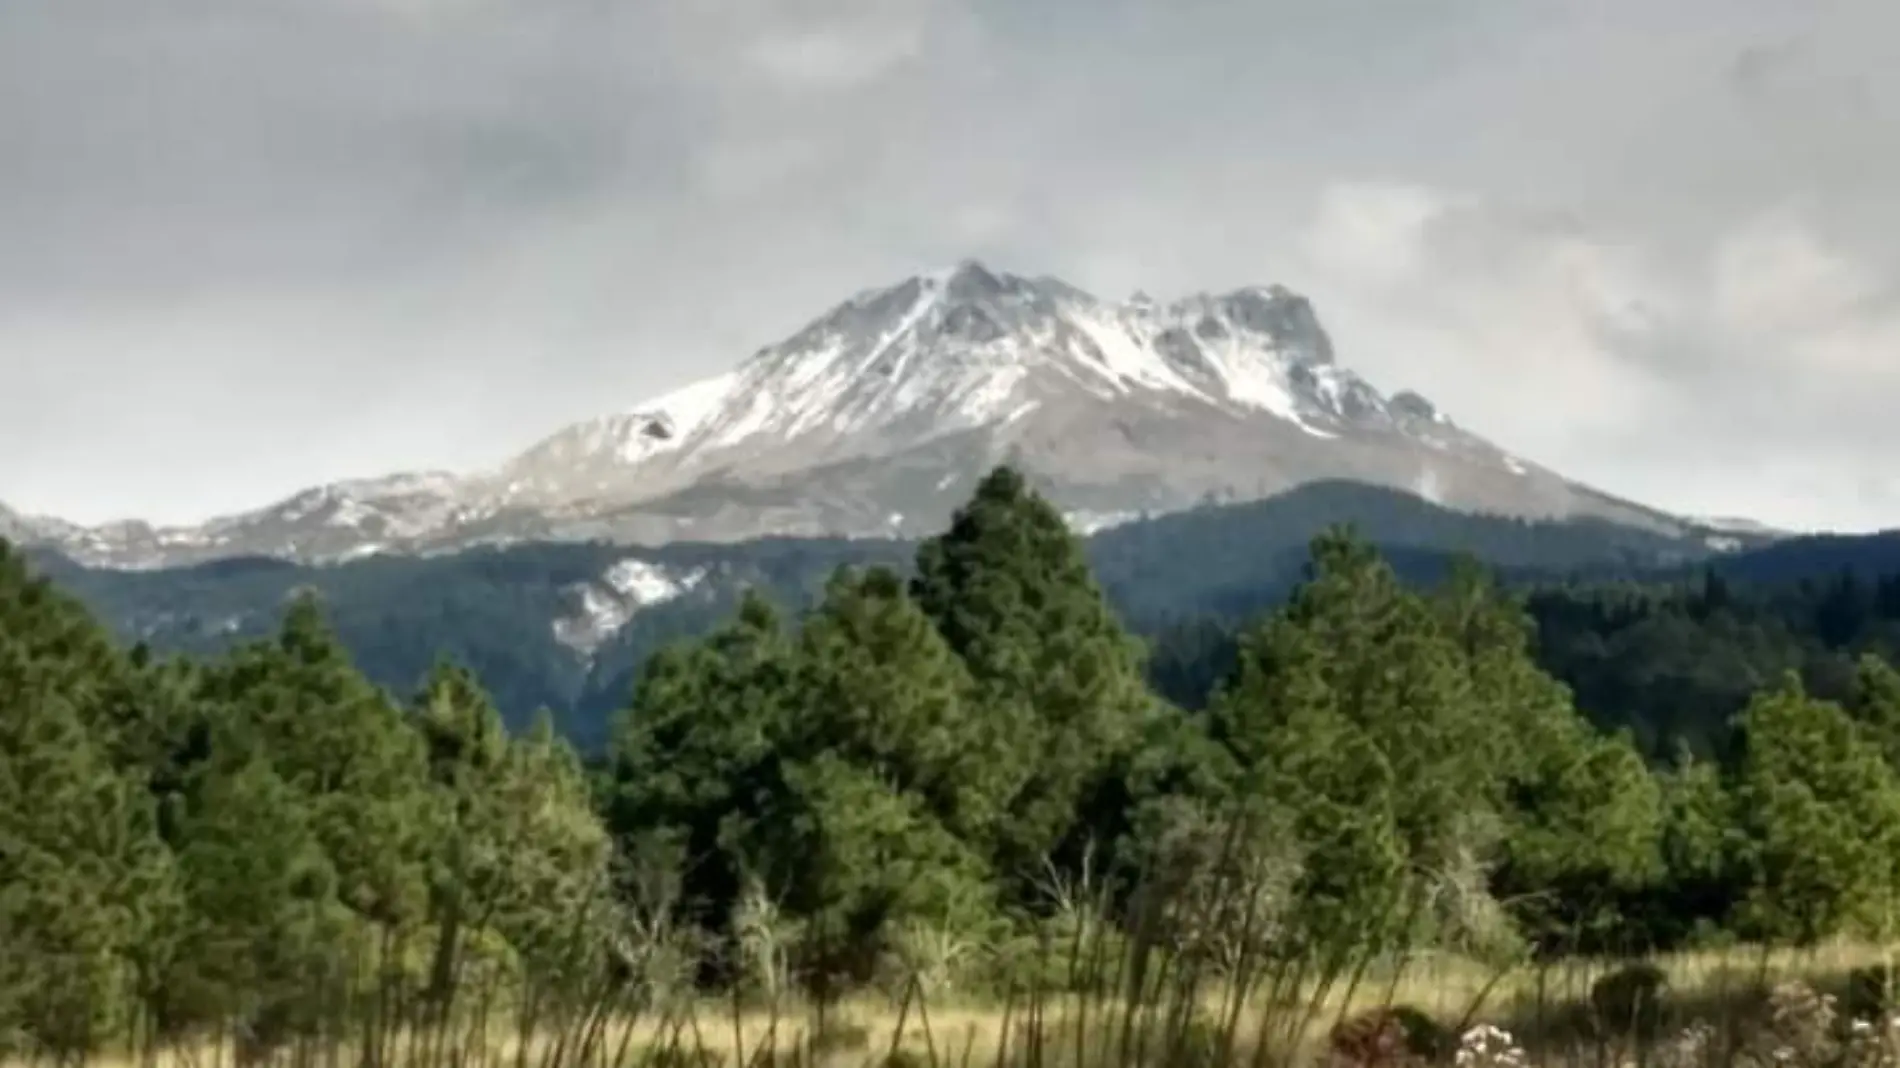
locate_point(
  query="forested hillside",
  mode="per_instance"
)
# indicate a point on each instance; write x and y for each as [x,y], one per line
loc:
[494,611]
[1673,658]
[923,777]
[498,611]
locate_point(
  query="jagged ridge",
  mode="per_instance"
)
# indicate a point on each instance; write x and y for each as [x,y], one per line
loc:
[876,415]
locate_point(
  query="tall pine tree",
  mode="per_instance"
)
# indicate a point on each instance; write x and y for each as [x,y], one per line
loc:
[1054,672]
[694,756]
[88,894]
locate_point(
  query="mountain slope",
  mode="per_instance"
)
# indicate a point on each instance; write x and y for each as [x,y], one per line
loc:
[877,417]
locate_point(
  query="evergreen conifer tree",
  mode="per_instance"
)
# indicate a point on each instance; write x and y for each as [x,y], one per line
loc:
[1821,808]
[1056,676]
[88,894]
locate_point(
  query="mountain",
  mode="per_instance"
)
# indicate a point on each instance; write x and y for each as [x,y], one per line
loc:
[17,528]
[563,625]
[876,418]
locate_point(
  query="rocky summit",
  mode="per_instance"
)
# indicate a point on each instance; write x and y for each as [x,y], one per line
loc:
[877,417]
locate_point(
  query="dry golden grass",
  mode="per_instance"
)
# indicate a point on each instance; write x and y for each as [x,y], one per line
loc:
[1453,991]
[1540,1005]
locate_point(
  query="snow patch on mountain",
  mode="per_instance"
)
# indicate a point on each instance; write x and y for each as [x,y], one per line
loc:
[604,607]
[1736,525]
[645,584]
[1121,347]
[667,421]
[1086,523]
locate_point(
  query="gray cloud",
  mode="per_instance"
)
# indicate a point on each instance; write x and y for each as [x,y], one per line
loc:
[253,244]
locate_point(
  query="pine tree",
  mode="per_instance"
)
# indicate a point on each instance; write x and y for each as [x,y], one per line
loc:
[1055,674]
[461,730]
[1356,644]
[1821,808]
[466,745]
[1302,743]
[857,862]
[267,943]
[345,747]
[1700,845]
[87,891]
[1579,813]
[1518,712]
[1876,705]
[89,906]
[1583,831]
[549,896]
[60,637]
[839,774]
[877,685]
[697,746]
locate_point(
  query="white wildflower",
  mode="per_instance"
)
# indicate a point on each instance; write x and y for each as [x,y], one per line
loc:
[1489,1046]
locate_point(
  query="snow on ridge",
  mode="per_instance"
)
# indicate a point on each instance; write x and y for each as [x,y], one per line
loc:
[1730,524]
[690,404]
[623,590]
[1127,356]
[350,512]
[927,301]
[649,584]
[405,483]
[1229,362]
[1085,522]
[676,415]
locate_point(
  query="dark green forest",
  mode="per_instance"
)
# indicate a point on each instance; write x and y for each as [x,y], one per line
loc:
[492,609]
[931,769]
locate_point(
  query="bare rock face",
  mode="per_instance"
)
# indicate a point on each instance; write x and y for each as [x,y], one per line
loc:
[878,416]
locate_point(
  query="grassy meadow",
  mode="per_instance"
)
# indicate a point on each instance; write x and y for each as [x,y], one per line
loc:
[1735,1006]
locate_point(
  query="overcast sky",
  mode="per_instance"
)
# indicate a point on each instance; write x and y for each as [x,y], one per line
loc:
[250,245]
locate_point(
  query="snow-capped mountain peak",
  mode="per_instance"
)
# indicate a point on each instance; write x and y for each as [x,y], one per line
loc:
[876,415]
[968,346]
[963,350]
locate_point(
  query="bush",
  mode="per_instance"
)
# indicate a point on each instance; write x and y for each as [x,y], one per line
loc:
[1870,992]
[1396,1037]
[1058,960]
[1628,1002]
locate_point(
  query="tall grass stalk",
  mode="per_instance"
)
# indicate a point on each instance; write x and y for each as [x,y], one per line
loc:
[1172,972]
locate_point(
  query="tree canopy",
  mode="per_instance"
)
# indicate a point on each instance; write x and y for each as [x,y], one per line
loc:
[919,773]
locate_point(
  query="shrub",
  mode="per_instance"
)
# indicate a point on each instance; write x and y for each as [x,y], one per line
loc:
[1628,1002]
[1870,992]
[1395,1037]
[1797,1025]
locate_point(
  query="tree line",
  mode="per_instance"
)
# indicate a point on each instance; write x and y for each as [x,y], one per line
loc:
[926,779]
[490,608]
